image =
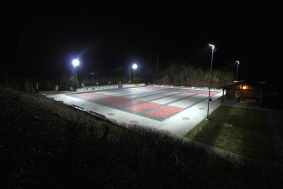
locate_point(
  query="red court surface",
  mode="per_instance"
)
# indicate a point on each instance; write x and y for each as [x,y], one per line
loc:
[169,89]
[143,106]
[164,111]
[194,92]
[207,93]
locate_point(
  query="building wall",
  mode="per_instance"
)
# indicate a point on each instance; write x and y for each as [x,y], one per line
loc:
[245,91]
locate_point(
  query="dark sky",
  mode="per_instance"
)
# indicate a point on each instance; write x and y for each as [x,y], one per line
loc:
[42,41]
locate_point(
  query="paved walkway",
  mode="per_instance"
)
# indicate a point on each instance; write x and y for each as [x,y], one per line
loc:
[242,104]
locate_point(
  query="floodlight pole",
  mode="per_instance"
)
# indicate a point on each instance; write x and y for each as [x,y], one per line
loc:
[76,76]
[237,70]
[76,63]
[212,47]
[134,67]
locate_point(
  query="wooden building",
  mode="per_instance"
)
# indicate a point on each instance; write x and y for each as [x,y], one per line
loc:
[251,91]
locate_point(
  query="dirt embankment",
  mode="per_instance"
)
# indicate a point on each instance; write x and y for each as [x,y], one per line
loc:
[38,112]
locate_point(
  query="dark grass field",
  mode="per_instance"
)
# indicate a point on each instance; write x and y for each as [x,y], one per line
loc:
[243,131]
[45,144]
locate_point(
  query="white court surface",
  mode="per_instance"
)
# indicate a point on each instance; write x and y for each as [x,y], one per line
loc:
[171,110]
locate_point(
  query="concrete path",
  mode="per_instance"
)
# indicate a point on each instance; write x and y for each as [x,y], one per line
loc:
[242,104]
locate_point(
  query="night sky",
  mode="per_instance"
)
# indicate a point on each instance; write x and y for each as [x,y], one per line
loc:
[41,42]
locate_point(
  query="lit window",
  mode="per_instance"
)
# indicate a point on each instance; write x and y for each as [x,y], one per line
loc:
[244,87]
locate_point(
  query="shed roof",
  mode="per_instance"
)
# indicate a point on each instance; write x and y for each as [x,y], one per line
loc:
[262,85]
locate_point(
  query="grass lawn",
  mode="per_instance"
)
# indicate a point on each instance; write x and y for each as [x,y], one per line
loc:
[246,132]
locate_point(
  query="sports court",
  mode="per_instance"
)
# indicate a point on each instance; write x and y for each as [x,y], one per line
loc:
[170,110]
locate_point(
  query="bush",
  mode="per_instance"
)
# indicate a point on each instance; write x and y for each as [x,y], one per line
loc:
[28,87]
[14,85]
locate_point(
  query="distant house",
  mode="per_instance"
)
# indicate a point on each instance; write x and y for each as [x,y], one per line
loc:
[250,91]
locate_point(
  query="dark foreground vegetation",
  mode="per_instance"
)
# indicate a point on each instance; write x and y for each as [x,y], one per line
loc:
[45,144]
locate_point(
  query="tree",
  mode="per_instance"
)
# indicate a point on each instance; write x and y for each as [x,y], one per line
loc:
[216,78]
[92,82]
[48,86]
[200,78]
[63,83]
[190,75]
[72,82]
[181,77]
[84,81]
[32,89]
[14,85]
[124,80]
[227,78]
[165,80]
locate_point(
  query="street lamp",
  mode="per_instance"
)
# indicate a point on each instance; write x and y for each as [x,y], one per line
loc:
[237,70]
[76,62]
[135,67]
[212,48]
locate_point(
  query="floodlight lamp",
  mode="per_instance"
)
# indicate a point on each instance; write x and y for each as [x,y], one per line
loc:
[238,62]
[135,66]
[213,47]
[76,62]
